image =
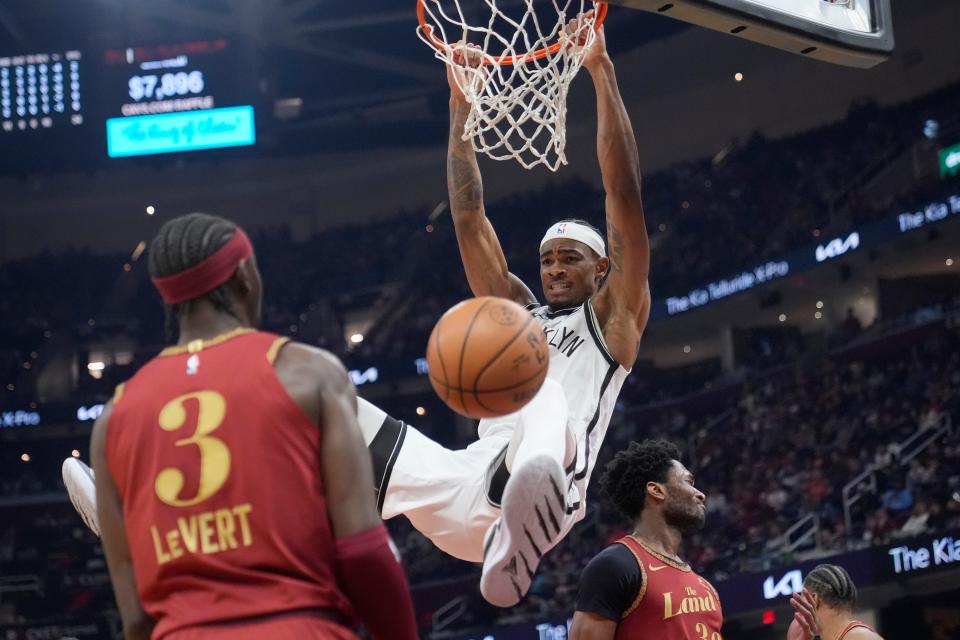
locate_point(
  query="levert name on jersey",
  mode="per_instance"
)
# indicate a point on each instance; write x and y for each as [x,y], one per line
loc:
[207,533]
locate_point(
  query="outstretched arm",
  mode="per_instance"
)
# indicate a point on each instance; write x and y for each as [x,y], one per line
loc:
[136,623]
[370,575]
[590,626]
[367,571]
[609,585]
[623,305]
[480,249]
[344,458]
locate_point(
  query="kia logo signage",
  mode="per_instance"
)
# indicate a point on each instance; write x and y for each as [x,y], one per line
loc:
[837,247]
[85,414]
[364,377]
[19,419]
[422,367]
[789,584]
[543,631]
[940,551]
[952,160]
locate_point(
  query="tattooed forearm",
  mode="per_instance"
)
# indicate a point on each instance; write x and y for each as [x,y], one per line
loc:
[464,184]
[620,169]
[615,250]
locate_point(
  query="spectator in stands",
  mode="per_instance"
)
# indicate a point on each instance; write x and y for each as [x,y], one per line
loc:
[878,527]
[899,498]
[852,415]
[851,324]
[916,524]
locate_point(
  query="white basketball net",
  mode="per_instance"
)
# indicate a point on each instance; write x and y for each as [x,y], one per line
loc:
[517,111]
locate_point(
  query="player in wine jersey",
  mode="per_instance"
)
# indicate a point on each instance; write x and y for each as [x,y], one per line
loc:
[639,587]
[513,494]
[824,609]
[226,468]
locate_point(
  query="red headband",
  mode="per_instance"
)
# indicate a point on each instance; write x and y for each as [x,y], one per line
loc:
[207,275]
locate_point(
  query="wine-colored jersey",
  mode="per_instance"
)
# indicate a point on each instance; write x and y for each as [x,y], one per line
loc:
[853,625]
[673,603]
[223,499]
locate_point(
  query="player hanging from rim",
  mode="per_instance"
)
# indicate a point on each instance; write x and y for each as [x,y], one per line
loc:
[226,492]
[513,494]
[638,587]
[824,609]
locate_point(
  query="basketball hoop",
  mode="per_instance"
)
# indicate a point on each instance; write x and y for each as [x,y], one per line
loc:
[518,96]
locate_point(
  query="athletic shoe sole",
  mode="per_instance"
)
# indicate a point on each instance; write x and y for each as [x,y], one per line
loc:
[78,479]
[531,517]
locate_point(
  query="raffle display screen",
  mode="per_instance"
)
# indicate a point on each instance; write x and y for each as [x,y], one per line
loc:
[175,98]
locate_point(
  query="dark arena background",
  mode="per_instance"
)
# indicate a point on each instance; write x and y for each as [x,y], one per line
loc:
[804,219]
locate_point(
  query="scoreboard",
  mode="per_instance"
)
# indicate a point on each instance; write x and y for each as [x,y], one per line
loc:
[69,106]
[40,91]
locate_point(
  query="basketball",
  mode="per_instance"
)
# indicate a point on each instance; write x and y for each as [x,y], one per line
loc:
[487,357]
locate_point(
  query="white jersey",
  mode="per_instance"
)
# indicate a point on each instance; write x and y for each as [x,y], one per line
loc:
[591,379]
[453,496]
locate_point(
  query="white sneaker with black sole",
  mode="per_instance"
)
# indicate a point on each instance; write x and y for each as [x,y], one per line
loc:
[78,479]
[532,512]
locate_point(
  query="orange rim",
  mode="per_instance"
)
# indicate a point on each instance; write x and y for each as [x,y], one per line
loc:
[601,9]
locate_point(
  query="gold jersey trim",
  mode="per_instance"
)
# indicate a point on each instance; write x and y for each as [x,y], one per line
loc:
[118,392]
[672,562]
[853,625]
[195,346]
[274,349]
[643,581]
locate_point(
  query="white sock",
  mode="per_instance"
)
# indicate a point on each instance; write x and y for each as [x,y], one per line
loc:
[542,428]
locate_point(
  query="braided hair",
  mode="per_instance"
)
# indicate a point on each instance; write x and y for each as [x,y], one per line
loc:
[625,477]
[182,243]
[834,586]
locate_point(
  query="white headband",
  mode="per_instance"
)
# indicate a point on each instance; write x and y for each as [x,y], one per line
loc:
[576,231]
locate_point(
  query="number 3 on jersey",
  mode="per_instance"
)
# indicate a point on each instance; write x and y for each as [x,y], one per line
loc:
[704,633]
[214,454]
